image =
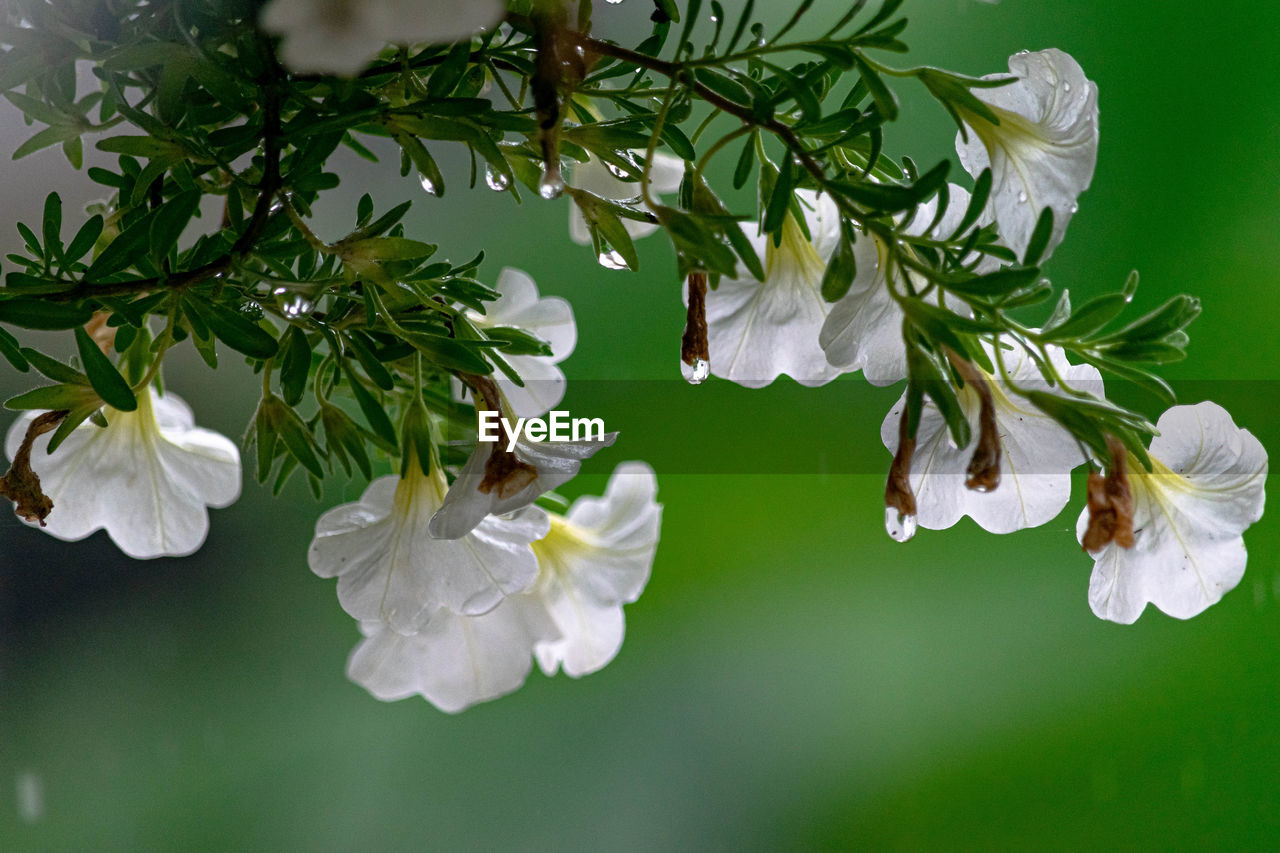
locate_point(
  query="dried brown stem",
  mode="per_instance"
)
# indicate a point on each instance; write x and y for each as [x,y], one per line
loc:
[21,484]
[1110,503]
[694,345]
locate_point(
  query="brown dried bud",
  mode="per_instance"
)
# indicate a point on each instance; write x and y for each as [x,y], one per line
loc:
[897,491]
[502,470]
[694,345]
[1110,502]
[984,467]
[21,484]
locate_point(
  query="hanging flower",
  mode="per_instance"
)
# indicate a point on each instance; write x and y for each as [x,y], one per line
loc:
[342,36]
[455,661]
[390,569]
[1043,151]
[1036,458]
[758,330]
[665,174]
[863,330]
[547,317]
[146,477]
[496,482]
[592,561]
[1189,513]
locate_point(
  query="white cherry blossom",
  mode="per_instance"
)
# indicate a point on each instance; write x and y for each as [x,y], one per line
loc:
[1043,151]
[390,569]
[591,562]
[547,317]
[474,495]
[1037,457]
[594,176]
[1189,514]
[758,330]
[455,661]
[342,36]
[146,478]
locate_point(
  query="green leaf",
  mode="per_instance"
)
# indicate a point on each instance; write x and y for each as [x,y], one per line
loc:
[125,250]
[1039,238]
[170,220]
[886,101]
[841,269]
[373,368]
[1088,318]
[233,328]
[85,239]
[295,365]
[780,199]
[54,369]
[448,353]
[746,160]
[52,397]
[12,351]
[37,314]
[53,225]
[295,435]
[103,376]
[372,409]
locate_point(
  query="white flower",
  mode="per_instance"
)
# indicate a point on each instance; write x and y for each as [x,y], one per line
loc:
[592,561]
[342,36]
[665,174]
[1037,457]
[758,330]
[390,569]
[479,491]
[1043,152]
[549,318]
[863,330]
[455,661]
[1205,489]
[146,478]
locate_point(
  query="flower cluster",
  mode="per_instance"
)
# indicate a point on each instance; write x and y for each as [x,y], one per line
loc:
[373,351]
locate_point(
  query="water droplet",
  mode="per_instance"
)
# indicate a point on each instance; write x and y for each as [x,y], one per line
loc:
[297,306]
[495,179]
[1066,87]
[621,173]
[613,2]
[696,373]
[1022,53]
[275,208]
[981,487]
[612,260]
[429,185]
[279,290]
[715,19]
[1022,198]
[1074,207]
[899,527]
[552,185]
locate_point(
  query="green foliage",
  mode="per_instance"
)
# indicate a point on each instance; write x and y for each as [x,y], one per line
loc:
[196,108]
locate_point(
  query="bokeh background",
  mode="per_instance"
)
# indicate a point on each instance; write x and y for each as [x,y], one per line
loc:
[791,677]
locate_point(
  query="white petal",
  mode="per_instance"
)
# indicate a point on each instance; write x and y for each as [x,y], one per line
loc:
[391,569]
[454,661]
[543,389]
[1035,465]
[758,331]
[592,632]
[555,462]
[1043,152]
[1206,488]
[519,305]
[863,330]
[146,478]
[591,562]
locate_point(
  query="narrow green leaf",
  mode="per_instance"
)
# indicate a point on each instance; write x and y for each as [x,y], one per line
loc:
[103,375]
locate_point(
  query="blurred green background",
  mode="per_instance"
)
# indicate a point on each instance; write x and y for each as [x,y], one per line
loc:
[791,677]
